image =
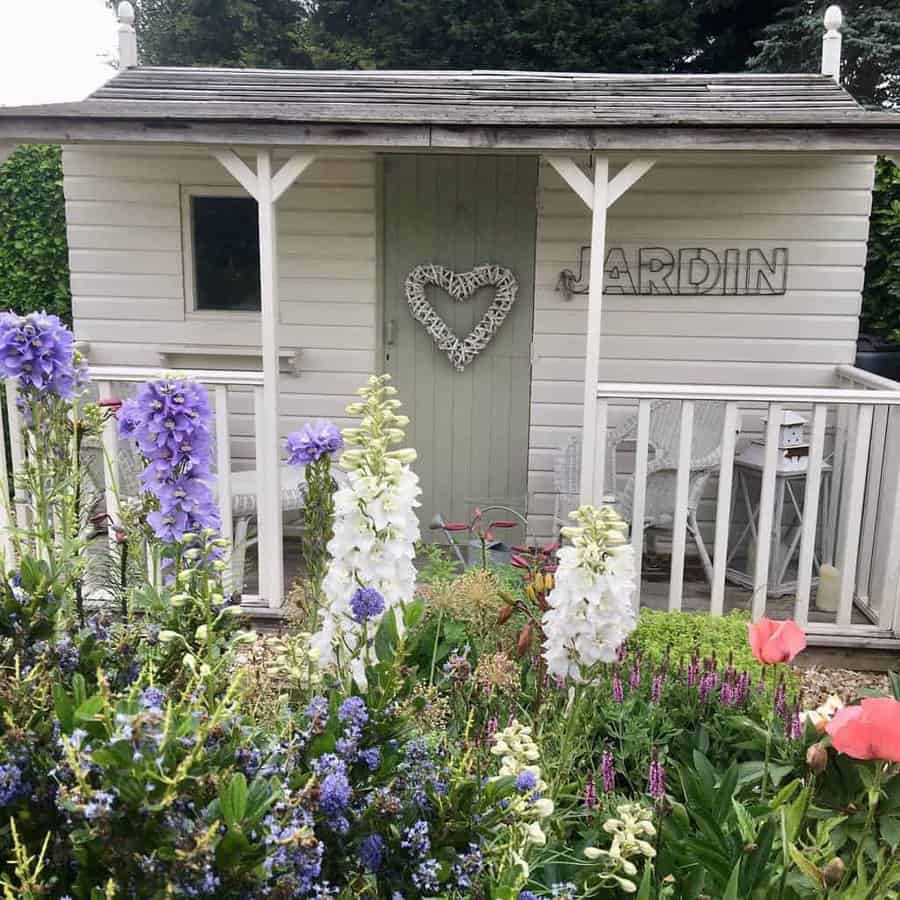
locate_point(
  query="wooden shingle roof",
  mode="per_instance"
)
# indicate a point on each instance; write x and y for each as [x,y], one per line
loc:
[488,98]
[469,110]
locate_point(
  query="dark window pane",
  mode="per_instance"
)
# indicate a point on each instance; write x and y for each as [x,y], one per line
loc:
[226,252]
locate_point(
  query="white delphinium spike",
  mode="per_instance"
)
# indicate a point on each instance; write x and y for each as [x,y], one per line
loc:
[375,527]
[592,603]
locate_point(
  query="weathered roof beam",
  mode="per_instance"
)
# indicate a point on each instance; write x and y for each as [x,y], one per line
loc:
[857,139]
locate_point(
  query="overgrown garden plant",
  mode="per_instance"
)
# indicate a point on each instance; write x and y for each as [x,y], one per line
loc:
[153,747]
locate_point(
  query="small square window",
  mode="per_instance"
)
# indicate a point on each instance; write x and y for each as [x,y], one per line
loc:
[225,233]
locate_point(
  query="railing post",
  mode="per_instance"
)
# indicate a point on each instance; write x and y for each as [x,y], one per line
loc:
[6,541]
[110,442]
[16,448]
[679,518]
[723,508]
[766,514]
[809,525]
[640,490]
[848,552]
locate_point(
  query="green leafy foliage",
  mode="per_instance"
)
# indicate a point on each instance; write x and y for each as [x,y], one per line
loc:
[34,264]
[881,294]
[237,33]
[680,634]
[870,47]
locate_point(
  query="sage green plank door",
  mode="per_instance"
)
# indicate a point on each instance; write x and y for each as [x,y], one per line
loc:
[470,428]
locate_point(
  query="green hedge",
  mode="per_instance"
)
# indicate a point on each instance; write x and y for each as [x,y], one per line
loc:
[34,261]
[881,295]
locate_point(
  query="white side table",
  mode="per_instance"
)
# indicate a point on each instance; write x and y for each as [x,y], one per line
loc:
[787,522]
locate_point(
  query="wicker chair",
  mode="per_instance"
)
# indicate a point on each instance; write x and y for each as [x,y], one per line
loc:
[662,468]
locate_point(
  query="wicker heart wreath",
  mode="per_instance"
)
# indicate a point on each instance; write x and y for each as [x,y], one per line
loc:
[460,286]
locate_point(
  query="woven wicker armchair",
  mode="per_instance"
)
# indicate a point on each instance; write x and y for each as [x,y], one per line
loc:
[659,507]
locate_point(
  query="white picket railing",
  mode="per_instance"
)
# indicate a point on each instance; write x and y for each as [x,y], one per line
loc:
[852,526]
[117,382]
[849,518]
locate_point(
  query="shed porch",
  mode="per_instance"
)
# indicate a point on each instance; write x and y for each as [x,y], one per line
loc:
[764,179]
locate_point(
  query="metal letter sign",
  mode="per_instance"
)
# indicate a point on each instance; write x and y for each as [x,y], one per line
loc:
[686,270]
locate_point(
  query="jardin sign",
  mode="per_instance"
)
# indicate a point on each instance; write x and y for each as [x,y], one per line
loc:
[696,270]
[686,270]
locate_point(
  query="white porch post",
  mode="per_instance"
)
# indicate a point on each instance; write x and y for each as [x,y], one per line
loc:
[266,187]
[591,490]
[598,194]
[271,563]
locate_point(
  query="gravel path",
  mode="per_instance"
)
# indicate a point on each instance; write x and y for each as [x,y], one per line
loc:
[819,683]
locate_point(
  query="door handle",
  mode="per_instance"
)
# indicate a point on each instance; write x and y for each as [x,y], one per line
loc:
[390,332]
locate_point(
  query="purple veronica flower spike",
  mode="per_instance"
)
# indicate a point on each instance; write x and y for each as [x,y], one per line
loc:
[313,441]
[617,692]
[656,782]
[608,771]
[590,794]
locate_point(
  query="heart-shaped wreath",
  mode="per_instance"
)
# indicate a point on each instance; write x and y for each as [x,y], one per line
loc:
[460,286]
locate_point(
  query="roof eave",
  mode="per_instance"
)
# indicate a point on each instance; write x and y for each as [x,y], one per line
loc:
[878,137]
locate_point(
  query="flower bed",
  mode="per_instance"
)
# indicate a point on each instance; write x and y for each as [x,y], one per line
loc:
[487,735]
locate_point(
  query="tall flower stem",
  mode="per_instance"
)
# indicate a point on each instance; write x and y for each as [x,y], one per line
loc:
[874,797]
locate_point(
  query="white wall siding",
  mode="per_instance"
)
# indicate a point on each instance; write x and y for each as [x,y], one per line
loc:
[815,205]
[124,210]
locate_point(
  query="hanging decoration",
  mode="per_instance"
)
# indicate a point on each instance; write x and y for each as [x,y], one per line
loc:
[461,286]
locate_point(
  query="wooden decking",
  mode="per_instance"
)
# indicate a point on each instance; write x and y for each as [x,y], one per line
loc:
[654,589]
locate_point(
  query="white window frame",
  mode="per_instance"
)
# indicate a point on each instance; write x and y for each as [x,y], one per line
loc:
[188,192]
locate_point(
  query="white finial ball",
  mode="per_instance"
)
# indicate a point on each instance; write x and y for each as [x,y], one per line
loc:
[834,18]
[125,12]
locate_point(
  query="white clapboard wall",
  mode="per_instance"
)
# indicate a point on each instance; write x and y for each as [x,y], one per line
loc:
[815,205]
[124,210]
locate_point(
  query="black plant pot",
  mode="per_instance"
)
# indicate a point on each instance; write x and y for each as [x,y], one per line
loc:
[879,356]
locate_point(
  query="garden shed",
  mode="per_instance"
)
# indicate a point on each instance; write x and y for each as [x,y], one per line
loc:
[286,233]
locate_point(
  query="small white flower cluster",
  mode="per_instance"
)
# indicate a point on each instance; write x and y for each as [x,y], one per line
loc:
[519,756]
[629,830]
[592,603]
[375,526]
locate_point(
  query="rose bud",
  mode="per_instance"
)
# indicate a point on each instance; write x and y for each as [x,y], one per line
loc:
[817,758]
[833,873]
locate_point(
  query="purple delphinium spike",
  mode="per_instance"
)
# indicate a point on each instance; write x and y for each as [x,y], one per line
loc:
[38,351]
[608,772]
[492,727]
[590,794]
[313,441]
[617,692]
[657,688]
[656,781]
[621,652]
